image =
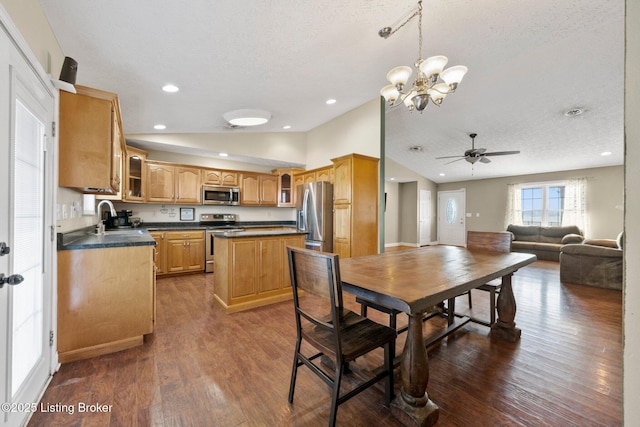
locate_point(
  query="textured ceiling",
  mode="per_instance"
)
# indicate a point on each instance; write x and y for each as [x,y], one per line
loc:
[529,62]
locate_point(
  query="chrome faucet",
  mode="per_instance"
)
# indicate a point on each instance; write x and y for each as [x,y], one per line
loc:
[100,225]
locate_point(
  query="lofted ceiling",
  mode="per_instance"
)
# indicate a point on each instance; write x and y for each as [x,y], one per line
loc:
[529,62]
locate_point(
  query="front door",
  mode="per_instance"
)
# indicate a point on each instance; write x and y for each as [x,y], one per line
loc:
[451,217]
[26,187]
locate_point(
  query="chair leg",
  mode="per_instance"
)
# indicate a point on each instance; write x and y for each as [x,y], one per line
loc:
[470,303]
[335,394]
[363,310]
[294,371]
[389,355]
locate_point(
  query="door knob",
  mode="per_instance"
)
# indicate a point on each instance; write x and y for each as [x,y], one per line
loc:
[14,279]
[4,249]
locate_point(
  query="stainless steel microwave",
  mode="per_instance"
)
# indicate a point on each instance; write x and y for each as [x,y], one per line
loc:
[220,195]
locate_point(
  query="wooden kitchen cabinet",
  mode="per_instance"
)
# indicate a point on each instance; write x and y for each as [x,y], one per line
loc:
[188,185]
[106,300]
[184,251]
[135,175]
[169,183]
[161,251]
[91,141]
[355,195]
[219,177]
[258,189]
[286,187]
[252,271]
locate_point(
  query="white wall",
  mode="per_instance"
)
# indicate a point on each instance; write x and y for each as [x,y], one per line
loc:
[280,146]
[631,290]
[357,131]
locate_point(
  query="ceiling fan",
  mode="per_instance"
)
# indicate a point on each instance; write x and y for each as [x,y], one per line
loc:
[475,154]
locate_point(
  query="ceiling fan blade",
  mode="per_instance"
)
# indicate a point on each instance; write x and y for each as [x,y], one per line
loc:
[452,161]
[501,153]
[484,160]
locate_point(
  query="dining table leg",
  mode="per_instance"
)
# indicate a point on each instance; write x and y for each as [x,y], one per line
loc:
[505,327]
[412,405]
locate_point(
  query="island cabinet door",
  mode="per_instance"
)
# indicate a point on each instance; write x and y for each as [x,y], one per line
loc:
[244,268]
[270,265]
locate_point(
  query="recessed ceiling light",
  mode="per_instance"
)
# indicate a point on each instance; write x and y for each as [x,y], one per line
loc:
[286,127]
[224,155]
[606,153]
[170,88]
[159,127]
[331,101]
[441,174]
[416,148]
[247,117]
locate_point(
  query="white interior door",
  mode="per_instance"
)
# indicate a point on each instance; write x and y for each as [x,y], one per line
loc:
[451,217]
[425,217]
[26,188]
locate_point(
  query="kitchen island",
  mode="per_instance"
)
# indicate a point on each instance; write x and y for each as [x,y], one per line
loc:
[106,292]
[252,268]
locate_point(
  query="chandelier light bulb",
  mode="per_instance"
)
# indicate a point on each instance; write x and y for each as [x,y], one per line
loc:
[390,93]
[453,75]
[433,65]
[398,76]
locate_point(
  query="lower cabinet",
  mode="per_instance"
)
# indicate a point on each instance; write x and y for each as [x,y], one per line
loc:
[253,271]
[106,300]
[184,251]
[161,251]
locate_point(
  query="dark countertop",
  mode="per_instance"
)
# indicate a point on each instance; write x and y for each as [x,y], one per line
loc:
[86,239]
[258,233]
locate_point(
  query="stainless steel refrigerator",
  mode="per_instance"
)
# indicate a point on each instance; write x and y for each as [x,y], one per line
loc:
[314,206]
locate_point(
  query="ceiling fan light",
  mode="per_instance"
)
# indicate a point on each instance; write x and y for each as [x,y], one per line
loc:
[247,117]
[453,75]
[399,76]
[433,65]
[390,93]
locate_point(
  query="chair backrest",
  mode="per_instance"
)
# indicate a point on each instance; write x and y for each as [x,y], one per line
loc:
[316,273]
[499,241]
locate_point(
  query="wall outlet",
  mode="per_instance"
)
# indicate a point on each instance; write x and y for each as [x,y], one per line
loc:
[65,212]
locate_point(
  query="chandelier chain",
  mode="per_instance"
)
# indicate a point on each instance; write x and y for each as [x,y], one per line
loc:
[419,30]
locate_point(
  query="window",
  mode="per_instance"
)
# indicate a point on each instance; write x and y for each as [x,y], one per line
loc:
[543,204]
[548,203]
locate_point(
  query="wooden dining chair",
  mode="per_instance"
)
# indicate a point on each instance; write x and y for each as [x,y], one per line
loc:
[499,241]
[333,331]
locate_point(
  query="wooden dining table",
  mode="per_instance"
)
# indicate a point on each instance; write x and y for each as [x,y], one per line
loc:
[413,282]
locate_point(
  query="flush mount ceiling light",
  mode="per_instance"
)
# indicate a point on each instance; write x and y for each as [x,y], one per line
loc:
[247,117]
[432,82]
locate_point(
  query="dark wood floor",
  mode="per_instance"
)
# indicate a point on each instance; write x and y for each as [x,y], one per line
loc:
[205,368]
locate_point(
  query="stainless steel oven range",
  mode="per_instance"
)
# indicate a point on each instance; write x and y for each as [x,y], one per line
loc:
[216,223]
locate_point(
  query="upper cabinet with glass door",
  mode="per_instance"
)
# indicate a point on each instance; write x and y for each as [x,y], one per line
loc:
[135,182]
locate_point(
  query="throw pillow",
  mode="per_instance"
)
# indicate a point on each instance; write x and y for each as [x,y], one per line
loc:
[572,238]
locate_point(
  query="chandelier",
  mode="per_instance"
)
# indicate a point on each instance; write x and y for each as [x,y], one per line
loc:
[432,81]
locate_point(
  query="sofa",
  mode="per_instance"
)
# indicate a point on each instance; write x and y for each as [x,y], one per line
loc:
[544,242]
[594,262]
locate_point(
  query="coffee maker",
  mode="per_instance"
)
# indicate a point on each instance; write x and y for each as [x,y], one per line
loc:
[121,220]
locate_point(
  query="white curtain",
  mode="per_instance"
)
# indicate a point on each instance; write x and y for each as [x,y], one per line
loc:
[514,205]
[575,204]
